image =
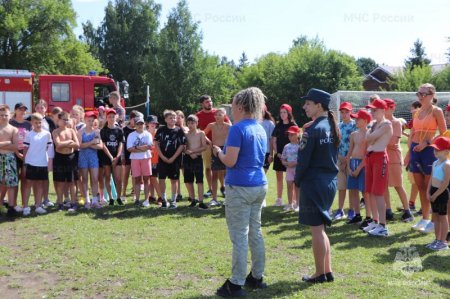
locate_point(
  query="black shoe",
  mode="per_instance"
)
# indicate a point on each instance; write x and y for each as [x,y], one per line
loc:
[111,202]
[193,203]
[254,283]
[11,212]
[164,204]
[152,199]
[365,223]
[202,206]
[355,220]
[179,198]
[330,277]
[222,190]
[60,207]
[362,203]
[448,237]
[419,213]
[137,203]
[119,201]
[207,194]
[389,215]
[319,279]
[229,289]
[407,216]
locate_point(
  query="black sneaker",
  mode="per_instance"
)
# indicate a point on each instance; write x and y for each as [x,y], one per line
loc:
[119,201]
[179,198]
[193,203]
[254,283]
[137,203]
[419,213]
[202,206]
[222,190]
[60,207]
[207,194]
[407,216]
[355,220]
[172,205]
[365,223]
[229,289]
[164,204]
[389,215]
[11,212]
[111,202]
[330,277]
[448,237]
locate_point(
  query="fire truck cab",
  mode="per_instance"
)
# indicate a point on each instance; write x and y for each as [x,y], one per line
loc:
[16,86]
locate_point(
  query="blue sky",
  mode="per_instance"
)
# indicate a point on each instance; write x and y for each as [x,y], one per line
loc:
[383,30]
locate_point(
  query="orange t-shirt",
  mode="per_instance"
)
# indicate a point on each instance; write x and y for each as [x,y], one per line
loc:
[154,152]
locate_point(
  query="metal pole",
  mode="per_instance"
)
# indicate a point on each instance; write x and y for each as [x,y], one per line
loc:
[148,100]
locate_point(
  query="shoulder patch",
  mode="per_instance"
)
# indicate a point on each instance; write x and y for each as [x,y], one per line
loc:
[304,140]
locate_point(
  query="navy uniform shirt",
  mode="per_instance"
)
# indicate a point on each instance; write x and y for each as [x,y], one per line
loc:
[317,155]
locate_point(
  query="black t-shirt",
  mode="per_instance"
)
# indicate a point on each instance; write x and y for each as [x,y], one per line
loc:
[282,136]
[112,138]
[126,131]
[169,140]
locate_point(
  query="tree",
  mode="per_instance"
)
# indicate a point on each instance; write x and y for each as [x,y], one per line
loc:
[37,35]
[243,61]
[418,58]
[411,78]
[126,41]
[366,65]
[441,80]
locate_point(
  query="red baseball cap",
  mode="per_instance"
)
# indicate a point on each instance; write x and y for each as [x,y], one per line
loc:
[448,108]
[363,114]
[390,103]
[286,107]
[111,110]
[377,104]
[441,143]
[294,130]
[90,114]
[346,105]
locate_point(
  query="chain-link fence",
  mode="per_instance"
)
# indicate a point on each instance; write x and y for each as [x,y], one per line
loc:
[403,100]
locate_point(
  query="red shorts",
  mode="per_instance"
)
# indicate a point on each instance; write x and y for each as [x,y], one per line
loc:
[376,173]
[141,167]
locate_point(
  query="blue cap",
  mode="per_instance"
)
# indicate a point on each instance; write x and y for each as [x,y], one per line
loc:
[318,96]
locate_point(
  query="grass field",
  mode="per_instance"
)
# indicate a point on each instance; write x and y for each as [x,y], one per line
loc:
[128,252]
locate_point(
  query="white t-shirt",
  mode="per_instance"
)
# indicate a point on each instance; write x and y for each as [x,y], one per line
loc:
[137,139]
[37,144]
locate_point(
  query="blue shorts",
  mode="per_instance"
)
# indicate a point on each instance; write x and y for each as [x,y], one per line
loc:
[421,162]
[356,183]
[88,158]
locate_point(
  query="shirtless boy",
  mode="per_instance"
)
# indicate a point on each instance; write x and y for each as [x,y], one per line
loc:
[377,139]
[193,161]
[65,168]
[219,130]
[356,167]
[8,165]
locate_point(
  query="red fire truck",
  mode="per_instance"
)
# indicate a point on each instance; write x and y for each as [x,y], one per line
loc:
[58,90]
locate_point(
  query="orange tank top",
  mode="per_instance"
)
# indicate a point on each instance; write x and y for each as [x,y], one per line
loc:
[427,125]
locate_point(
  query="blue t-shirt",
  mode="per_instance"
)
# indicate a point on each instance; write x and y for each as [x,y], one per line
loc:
[251,139]
[346,130]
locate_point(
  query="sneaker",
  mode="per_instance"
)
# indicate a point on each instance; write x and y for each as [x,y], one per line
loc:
[439,245]
[152,199]
[159,201]
[351,214]
[87,206]
[60,207]
[365,223]
[372,225]
[111,202]
[419,212]
[448,237]
[296,208]
[146,203]
[179,198]
[18,209]
[67,204]
[194,203]
[48,203]
[41,211]
[229,289]
[279,202]
[12,212]
[362,203]
[379,231]
[202,206]
[287,208]
[429,245]
[137,203]
[428,229]
[172,205]
[421,224]
[73,209]
[389,215]
[355,220]
[26,211]
[407,216]
[222,190]
[119,201]
[339,214]
[214,203]
[164,204]
[254,283]
[207,194]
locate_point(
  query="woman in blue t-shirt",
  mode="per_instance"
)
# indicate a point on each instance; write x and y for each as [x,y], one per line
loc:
[246,187]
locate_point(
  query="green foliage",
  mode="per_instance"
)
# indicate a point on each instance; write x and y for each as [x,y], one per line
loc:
[37,35]
[411,79]
[441,80]
[366,65]
[418,58]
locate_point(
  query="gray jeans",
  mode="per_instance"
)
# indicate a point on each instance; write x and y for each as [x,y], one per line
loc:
[243,213]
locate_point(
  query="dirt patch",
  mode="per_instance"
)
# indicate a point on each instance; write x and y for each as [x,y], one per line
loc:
[33,284]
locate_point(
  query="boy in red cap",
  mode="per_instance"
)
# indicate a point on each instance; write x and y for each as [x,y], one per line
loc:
[395,165]
[289,159]
[377,139]
[356,167]
[438,192]
[346,127]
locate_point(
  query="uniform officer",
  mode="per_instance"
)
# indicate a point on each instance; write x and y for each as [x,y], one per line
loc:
[316,176]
